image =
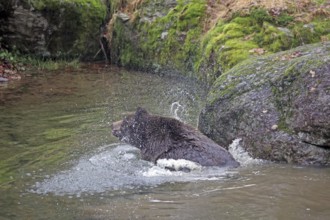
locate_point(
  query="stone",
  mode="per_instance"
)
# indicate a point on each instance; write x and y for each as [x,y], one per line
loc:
[164,35]
[52,28]
[283,114]
[124,17]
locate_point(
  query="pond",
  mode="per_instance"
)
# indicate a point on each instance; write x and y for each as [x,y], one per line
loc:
[60,161]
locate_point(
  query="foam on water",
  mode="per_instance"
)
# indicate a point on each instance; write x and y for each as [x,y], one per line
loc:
[157,171]
[178,165]
[119,167]
[165,167]
[241,155]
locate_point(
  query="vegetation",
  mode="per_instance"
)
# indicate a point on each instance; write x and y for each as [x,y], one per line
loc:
[198,37]
[64,29]
[173,36]
[166,41]
[257,33]
[21,62]
[201,38]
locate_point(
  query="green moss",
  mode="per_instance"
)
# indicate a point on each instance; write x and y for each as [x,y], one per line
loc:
[172,40]
[75,25]
[189,14]
[244,21]
[235,51]
[274,39]
[268,71]
[178,39]
[319,2]
[312,32]
[227,44]
[284,19]
[191,45]
[260,15]
[125,52]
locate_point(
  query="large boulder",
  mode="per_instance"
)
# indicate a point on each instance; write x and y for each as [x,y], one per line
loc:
[52,28]
[203,39]
[278,105]
[159,35]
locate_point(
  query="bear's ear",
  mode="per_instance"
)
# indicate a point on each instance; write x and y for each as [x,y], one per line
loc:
[140,112]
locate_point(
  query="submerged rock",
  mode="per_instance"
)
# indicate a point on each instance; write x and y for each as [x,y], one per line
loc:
[279,105]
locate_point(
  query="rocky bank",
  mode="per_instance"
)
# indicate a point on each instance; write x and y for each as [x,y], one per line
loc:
[203,39]
[51,28]
[276,102]
[278,105]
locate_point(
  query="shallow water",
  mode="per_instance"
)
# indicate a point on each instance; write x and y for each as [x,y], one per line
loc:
[59,160]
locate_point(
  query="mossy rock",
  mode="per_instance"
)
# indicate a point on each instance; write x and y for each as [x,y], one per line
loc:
[60,29]
[278,105]
[163,34]
[232,41]
[173,34]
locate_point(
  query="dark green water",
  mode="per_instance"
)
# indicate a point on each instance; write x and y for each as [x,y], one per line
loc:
[58,159]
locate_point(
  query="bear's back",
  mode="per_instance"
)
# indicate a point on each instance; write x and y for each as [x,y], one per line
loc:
[194,146]
[205,155]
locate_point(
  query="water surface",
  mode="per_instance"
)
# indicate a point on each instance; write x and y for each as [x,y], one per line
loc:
[60,161]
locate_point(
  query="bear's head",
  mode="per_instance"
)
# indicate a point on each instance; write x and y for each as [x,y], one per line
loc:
[131,129]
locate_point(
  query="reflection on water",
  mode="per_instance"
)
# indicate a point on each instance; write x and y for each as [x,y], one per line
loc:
[58,159]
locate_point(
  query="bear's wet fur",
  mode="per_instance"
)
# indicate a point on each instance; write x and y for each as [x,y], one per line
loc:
[161,137]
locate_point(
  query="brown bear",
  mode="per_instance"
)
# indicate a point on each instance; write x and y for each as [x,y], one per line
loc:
[163,138]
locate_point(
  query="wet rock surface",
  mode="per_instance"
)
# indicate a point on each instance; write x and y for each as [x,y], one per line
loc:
[279,106]
[52,29]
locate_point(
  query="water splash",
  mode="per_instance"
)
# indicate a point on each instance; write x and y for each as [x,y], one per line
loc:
[119,167]
[178,165]
[177,110]
[183,103]
[241,155]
